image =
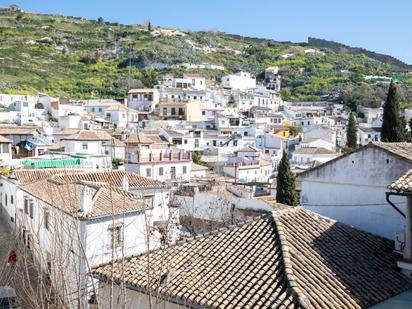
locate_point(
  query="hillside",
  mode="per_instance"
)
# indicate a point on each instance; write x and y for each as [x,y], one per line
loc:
[78,58]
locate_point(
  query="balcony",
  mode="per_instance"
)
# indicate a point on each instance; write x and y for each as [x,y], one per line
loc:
[165,157]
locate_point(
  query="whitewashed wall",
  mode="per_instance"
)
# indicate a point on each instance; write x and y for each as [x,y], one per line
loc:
[339,189]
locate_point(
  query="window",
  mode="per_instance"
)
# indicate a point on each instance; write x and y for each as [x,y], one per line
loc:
[161,171]
[123,115]
[116,236]
[234,143]
[184,169]
[173,111]
[185,141]
[5,199]
[181,113]
[46,219]
[31,208]
[100,109]
[164,111]
[26,206]
[148,200]
[85,146]
[5,148]
[11,199]
[203,113]
[196,143]
[173,172]
[148,172]
[92,109]
[134,97]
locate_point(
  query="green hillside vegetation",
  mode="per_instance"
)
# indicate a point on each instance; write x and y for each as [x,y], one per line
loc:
[78,58]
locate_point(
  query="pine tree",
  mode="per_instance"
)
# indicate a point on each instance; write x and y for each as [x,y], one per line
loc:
[286,184]
[351,139]
[392,127]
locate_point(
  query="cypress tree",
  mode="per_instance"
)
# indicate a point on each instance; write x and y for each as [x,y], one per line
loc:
[392,127]
[351,140]
[286,184]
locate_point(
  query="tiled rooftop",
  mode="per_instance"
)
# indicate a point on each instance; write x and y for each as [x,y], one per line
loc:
[67,197]
[89,135]
[403,184]
[403,150]
[113,177]
[290,258]
[313,150]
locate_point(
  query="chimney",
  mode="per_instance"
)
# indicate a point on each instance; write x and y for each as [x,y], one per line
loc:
[125,183]
[161,156]
[86,200]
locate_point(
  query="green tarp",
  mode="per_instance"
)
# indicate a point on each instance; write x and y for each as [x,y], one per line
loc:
[51,163]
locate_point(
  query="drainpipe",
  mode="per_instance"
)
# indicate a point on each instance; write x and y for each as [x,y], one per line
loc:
[388,194]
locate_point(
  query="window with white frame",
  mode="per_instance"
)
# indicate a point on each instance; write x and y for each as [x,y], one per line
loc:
[161,171]
[148,172]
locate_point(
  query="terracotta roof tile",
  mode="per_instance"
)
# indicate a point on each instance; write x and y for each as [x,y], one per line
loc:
[313,150]
[290,258]
[86,135]
[61,175]
[4,140]
[403,184]
[67,197]
[25,176]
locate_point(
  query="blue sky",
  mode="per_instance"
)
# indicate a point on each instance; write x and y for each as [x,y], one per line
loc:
[382,26]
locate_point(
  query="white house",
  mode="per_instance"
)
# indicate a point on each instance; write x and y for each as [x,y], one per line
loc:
[87,142]
[365,135]
[198,171]
[197,81]
[5,151]
[143,100]
[239,81]
[121,116]
[317,142]
[249,170]
[161,164]
[70,225]
[351,188]
[306,155]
